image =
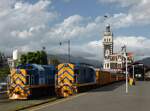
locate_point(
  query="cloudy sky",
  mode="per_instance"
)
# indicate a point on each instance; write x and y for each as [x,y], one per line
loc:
[30,24]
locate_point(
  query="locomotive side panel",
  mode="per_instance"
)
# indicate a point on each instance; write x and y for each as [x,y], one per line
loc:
[88,80]
[31,80]
[86,75]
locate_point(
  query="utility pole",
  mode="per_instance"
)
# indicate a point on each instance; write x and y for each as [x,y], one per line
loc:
[126,74]
[68,42]
[68,51]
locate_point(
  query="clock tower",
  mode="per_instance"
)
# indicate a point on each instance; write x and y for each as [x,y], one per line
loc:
[108,47]
[108,42]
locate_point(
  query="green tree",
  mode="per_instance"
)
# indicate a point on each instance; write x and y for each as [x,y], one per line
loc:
[30,57]
[23,59]
[39,57]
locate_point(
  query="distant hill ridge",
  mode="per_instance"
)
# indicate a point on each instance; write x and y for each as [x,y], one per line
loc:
[145,61]
[64,58]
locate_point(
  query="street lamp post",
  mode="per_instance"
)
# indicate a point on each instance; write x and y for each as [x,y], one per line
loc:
[126,73]
[133,72]
[126,59]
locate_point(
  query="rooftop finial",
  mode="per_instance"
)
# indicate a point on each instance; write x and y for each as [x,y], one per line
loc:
[108,28]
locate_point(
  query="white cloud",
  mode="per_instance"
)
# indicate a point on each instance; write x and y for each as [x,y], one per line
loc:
[27,26]
[138,45]
[24,24]
[23,34]
[138,13]
[75,27]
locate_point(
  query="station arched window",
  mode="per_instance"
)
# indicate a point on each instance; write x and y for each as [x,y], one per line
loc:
[107,65]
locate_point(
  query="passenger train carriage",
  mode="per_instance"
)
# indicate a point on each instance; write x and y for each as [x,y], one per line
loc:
[31,80]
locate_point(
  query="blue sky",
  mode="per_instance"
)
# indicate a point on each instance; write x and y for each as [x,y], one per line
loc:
[87,8]
[92,8]
[30,24]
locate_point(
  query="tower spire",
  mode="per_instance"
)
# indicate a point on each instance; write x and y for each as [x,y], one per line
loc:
[108,28]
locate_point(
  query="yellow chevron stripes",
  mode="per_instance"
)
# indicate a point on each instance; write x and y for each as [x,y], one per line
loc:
[66,71]
[18,82]
[66,79]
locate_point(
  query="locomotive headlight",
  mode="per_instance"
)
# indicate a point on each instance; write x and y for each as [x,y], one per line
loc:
[139,75]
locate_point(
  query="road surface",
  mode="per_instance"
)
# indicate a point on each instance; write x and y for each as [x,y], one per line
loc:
[107,98]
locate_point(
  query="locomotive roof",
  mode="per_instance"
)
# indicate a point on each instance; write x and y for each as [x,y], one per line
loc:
[80,64]
[35,66]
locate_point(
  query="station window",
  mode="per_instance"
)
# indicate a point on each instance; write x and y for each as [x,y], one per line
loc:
[107,65]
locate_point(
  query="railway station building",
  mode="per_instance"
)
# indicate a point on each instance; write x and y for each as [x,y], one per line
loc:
[114,61]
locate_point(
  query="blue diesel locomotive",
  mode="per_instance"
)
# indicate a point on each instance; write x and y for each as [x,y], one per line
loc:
[31,80]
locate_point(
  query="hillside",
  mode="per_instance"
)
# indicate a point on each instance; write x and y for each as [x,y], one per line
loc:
[64,58]
[145,61]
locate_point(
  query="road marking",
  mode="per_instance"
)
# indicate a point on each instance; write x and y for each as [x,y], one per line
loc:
[57,102]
